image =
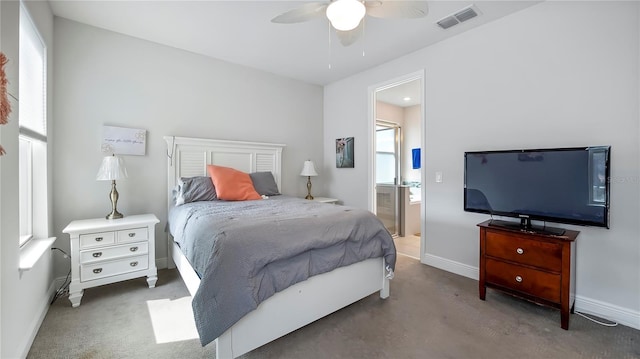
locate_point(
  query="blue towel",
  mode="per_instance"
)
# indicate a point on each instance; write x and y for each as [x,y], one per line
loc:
[415,156]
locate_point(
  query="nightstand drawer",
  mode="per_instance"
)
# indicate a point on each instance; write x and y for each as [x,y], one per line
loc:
[97,239]
[102,254]
[106,269]
[522,279]
[536,253]
[132,235]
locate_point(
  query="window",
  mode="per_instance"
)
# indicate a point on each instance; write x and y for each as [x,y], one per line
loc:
[386,161]
[32,121]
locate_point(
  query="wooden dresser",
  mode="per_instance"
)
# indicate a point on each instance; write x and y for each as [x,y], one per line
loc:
[535,266]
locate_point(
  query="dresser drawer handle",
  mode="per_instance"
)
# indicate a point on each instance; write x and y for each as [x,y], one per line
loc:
[518,279]
[97,270]
[133,234]
[520,251]
[133,264]
[97,254]
[99,239]
[133,249]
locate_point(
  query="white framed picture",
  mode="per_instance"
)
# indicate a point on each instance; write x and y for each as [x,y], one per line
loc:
[123,141]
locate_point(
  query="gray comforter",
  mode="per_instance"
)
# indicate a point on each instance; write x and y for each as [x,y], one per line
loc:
[244,252]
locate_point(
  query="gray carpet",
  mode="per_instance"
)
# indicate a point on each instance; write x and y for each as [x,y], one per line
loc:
[430,314]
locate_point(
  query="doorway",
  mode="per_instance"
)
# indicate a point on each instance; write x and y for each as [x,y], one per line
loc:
[396,176]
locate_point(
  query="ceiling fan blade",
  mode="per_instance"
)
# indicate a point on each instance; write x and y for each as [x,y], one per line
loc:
[302,13]
[392,9]
[349,37]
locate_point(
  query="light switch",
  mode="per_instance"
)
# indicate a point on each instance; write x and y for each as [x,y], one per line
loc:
[438,177]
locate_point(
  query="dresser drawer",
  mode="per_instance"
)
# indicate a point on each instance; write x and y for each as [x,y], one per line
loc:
[114,252]
[105,269]
[132,235]
[541,254]
[96,239]
[522,279]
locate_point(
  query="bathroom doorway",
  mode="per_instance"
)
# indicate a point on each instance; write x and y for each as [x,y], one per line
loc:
[397,138]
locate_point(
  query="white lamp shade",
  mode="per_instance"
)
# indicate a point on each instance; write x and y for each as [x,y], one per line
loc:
[345,15]
[308,169]
[112,168]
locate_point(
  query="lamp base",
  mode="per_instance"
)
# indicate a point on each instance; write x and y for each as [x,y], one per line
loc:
[114,215]
[309,196]
[113,195]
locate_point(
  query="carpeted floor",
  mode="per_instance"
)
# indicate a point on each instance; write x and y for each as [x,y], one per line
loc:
[430,314]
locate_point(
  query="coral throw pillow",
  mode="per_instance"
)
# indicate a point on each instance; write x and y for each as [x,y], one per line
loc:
[231,184]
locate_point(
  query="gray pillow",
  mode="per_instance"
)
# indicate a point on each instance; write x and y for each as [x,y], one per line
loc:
[264,183]
[194,189]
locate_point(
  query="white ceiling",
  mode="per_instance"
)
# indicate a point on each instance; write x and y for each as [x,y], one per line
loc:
[241,32]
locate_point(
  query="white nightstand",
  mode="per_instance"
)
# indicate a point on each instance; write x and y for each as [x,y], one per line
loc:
[105,251]
[326,200]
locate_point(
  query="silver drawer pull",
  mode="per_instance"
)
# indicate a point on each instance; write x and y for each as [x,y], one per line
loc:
[519,250]
[133,264]
[99,239]
[97,254]
[518,279]
[97,270]
[133,234]
[133,249]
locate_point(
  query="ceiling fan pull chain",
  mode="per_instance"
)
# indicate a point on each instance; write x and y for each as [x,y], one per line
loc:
[364,35]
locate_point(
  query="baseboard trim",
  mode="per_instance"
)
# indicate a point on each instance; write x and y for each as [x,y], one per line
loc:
[451,266]
[608,311]
[37,321]
[623,316]
[161,263]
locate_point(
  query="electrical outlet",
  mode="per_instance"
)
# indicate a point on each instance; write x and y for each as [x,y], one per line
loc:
[438,177]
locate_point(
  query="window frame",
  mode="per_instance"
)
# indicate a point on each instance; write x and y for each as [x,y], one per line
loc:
[33,170]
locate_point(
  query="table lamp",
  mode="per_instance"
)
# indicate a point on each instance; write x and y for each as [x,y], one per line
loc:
[308,170]
[112,169]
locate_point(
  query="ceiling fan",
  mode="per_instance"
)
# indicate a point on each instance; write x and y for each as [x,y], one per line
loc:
[346,16]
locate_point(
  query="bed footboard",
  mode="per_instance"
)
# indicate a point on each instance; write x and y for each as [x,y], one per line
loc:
[304,303]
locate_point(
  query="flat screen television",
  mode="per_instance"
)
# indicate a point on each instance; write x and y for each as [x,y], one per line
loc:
[560,185]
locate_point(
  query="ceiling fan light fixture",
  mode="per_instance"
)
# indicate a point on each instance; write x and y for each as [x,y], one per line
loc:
[345,15]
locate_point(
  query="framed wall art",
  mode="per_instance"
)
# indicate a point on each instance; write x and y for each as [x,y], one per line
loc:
[123,141]
[344,152]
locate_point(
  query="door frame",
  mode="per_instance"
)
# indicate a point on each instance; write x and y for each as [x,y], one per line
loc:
[371,124]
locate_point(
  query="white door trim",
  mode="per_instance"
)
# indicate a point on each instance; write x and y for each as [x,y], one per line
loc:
[371,199]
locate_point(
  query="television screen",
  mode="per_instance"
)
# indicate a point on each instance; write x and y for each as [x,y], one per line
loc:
[562,185]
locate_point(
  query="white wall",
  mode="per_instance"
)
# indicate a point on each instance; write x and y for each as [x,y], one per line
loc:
[26,295]
[553,75]
[105,78]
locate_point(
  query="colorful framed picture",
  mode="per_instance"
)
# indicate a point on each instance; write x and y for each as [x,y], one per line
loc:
[344,152]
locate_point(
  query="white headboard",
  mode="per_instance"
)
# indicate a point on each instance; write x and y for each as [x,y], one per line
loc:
[188,157]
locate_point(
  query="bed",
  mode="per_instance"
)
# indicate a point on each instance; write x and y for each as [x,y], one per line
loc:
[303,302]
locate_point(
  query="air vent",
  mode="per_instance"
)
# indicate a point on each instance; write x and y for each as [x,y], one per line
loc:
[447,22]
[466,14]
[461,16]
